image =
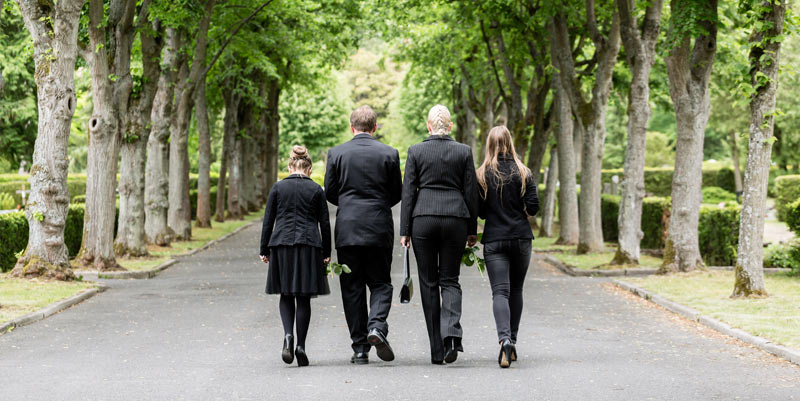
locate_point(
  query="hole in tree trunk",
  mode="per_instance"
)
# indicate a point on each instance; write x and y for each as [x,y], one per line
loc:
[93,123]
[69,104]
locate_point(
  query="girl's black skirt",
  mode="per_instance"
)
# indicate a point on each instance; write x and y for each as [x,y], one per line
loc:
[297,270]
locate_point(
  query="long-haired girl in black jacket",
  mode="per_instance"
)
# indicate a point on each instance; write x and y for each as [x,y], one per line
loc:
[508,197]
[296,243]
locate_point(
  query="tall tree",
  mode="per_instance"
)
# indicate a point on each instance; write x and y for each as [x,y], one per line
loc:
[689,70]
[640,48]
[109,57]
[54,28]
[549,198]
[764,61]
[567,194]
[590,115]
[131,240]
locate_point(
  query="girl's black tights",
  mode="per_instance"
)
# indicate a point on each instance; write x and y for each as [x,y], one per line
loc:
[301,312]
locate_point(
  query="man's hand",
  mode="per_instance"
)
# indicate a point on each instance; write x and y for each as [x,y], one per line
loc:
[405,241]
[472,240]
[264,259]
[326,260]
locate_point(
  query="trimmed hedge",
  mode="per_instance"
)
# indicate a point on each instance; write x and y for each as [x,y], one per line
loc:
[658,181]
[718,228]
[76,186]
[719,234]
[14,227]
[717,195]
[193,201]
[793,217]
[787,189]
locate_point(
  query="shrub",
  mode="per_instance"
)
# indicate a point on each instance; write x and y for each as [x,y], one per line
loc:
[719,234]
[793,217]
[780,255]
[13,238]
[658,181]
[7,201]
[717,195]
[80,199]
[76,186]
[787,189]
[652,215]
[193,201]
[73,230]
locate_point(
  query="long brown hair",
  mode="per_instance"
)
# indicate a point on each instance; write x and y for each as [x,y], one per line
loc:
[499,142]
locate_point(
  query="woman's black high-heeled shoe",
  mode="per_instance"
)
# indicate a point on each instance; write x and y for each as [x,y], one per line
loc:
[513,351]
[288,349]
[504,359]
[302,358]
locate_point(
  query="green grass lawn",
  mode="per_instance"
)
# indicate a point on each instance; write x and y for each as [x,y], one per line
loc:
[600,260]
[19,297]
[160,254]
[776,317]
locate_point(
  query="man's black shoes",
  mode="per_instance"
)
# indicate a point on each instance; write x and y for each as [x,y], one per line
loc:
[382,347]
[450,350]
[360,358]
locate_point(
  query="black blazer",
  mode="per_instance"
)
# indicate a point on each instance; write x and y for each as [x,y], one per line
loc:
[439,181]
[506,211]
[363,179]
[296,208]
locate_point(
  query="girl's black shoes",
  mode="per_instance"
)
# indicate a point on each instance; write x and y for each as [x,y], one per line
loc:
[506,351]
[288,349]
[302,358]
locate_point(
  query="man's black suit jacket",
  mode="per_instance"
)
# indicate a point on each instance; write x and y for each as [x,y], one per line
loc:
[363,179]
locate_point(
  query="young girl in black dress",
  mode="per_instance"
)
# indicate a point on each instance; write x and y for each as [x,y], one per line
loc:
[296,243]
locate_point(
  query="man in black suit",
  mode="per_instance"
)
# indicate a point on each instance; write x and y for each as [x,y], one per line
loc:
[363,179]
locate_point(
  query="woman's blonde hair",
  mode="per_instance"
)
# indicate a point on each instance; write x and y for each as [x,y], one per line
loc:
[439,120]
[499,142]
[299,159]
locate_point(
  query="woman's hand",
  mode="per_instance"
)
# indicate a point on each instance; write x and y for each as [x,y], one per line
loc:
[472,240]
[405,241]
[264,259]
[326,260]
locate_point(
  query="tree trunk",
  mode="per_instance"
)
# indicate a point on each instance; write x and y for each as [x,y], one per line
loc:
[273,135]
[567,193]
[261,144]
[156,168]
[640,53]
[231,133]
[549,200]
[689,72]
[764,61]
[55,51]
[235,180]
[178,212]
[111,89]
[203,158]
[130,231]
[737,171]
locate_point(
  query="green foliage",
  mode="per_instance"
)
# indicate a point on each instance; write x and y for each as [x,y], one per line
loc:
[793,216]
[13,238]
[470,258]
[334,268]
[718,234]
[787,189]
[7,201]
[193,200]
[783,255]
[717,195]
[658,181]
[653,209]
[78,199]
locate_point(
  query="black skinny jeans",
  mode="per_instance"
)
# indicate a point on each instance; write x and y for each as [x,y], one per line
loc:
[507,264]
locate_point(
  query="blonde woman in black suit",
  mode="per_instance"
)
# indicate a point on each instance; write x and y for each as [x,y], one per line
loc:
[439,216]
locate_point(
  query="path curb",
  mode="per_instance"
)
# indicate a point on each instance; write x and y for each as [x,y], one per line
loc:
[150,273]
[569,270]
[789,354]
[52,309]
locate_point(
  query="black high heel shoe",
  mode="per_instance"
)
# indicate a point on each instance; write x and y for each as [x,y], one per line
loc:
[302,358]
[513,351]
[288,349]
[504,359]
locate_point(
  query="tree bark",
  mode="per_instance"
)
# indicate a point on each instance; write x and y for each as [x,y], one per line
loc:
[764,61]
[156,180]
[567,194]
[111,90]
[589,116]
[130,231]
[273,135]
[54,28]
[640,49]
[232,112]
[689,72]
[737,171]
[549,199]
[203,158]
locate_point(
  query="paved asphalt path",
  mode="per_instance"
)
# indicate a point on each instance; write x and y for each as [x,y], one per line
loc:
[205,330]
